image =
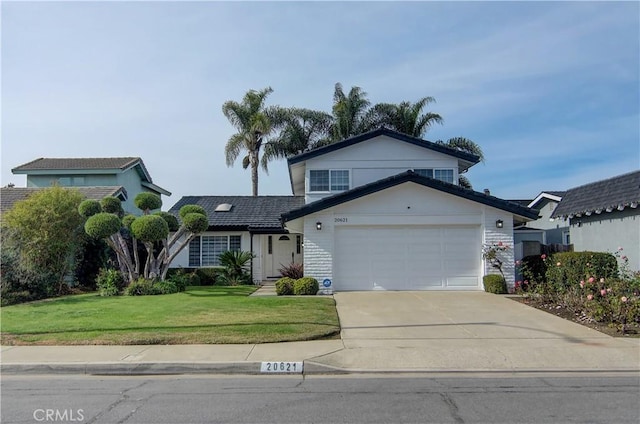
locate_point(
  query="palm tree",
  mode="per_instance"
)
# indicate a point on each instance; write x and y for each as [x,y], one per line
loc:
[303,129]
[405,117]
[349,112]
[254,123]
[464,145]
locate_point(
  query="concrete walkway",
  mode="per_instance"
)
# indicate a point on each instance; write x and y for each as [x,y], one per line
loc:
[381,332]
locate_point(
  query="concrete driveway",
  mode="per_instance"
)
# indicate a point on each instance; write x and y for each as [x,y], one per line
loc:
[468,331]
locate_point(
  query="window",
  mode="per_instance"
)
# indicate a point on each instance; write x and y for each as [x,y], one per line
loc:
[339,180]
[424,172]
[298,244]
[270,245]
[328,180]
[204,250]
[445,175]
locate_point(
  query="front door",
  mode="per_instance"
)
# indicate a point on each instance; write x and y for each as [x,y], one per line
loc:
[284,248]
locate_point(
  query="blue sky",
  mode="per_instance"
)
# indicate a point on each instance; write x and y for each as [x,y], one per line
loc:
[550,91]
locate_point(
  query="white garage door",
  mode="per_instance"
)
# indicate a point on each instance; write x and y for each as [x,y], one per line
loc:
[407,258]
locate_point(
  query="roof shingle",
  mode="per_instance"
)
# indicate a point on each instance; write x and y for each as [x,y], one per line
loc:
[77,163]
[261,213]
[604,195]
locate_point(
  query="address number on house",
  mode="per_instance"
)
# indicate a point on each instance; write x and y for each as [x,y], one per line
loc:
[341,220]
[281,367]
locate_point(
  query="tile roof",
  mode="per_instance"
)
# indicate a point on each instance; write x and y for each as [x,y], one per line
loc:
[410,176]
[604,195]
[10,195]
[261,213]
[77,163]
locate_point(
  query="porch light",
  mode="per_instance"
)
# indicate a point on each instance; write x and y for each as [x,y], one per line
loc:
[499,223]
[318,225]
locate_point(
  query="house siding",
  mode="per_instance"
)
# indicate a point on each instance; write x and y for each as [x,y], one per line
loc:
[608,231]
[318,247]
[504,235]
[370,161]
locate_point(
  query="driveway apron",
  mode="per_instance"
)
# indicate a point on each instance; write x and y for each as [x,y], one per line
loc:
[468,331]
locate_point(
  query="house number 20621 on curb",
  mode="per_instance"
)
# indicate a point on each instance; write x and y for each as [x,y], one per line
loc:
[281,367]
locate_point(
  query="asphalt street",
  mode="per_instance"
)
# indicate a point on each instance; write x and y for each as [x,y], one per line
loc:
[508,398]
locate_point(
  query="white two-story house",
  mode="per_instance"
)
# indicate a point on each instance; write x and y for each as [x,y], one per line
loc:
[379,211]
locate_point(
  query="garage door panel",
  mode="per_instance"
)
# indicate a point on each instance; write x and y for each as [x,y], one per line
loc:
[406,258]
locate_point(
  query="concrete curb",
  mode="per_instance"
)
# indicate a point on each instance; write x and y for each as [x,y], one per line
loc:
[157,368]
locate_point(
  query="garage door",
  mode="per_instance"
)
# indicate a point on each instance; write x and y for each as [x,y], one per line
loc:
[407,258]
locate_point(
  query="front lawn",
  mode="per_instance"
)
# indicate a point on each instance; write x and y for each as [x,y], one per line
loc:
[199,315]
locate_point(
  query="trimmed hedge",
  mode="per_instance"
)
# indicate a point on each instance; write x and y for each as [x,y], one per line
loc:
[284,286]
[494,283]
[306,286]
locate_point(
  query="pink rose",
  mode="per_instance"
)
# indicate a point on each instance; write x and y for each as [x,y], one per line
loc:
[499,243]
[518,262]
[624,299]
[590,297]
[602,280]
[518,284]
[603,292]
[620,248]
[624,258]
[543,256]
[526,282]
[591,279]
[582,284]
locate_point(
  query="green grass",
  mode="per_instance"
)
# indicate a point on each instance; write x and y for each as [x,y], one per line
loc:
[199,315]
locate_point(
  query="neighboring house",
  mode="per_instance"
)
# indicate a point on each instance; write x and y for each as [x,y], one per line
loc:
[244,223]
[555,230]
[10,195]
[127,172]
[384,211]
[604,215]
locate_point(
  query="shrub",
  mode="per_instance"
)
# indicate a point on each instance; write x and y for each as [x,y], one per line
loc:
[146,201]
[141,287]
[149,228]
[236,268]
[284,286]
[494,283]
[89,208]
[172,221]
[180,279]
[102,225]
[293,270]
[534,268]
[208,276]
[195,222]
[20,284]
[306,286]
[165,287]
[112,205]
[567,269]
[109,282]
[187,209]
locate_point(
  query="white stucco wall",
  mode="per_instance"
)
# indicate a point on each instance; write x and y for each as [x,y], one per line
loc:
[608,231]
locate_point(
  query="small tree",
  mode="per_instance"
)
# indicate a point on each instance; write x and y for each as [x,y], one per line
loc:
[46,228]
[154,231]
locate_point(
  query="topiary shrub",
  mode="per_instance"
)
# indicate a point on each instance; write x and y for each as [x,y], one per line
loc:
[146,201]
[187,209]
[149,228]
[142,287]
[306,286]
[172,221]
[284,286]
[109,282]
[195,222]
[494,283]
[102,225]
[89,208]
[112,205]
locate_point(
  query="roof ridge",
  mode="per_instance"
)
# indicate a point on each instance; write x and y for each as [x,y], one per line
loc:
[626,174]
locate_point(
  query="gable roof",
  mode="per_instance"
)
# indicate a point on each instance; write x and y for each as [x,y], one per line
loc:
[555,196]
[10,195]
[616,193]
[247,213]
[121,164]
[465,160]
[410,176]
